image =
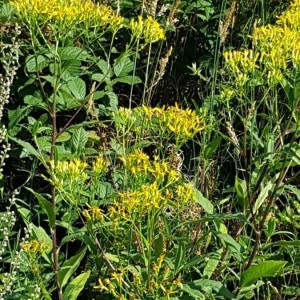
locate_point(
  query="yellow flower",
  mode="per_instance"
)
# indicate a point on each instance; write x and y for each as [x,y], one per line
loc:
[72,170]
[100,165]
[149,30]
[94,214]
[136,162]
[69,12]
[34,247]
[101,286]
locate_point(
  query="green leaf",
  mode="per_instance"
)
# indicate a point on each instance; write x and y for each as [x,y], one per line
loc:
[212,264]
[36,63]
[76,286]
[113,100]
[30,149]
[79,139]
[264,193]
[205,203]
[264,269]
[119,64]
[105,68]
[98,77]
[127,79]
[70,67]
[287,243]
[179,258]
[46,207]
[69,267]
[158,245]
[6,11]
[64,137]
[15,116]
[231,243]
[35,100]
[72,53]
[216,286]
[240,187]
[211,147]
[195,293]
[41,235]
[77,88]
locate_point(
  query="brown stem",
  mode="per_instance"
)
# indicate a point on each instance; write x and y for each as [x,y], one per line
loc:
[259,230]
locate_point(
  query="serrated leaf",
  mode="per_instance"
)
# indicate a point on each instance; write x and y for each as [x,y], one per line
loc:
[35,100]
[76,286]
[205,203]
[44,143]
[69,267]
[93,136]
[46,207]
[98,77]
[105,68]
[77,88]
[113,100]
[36,63]
[70,67]
[72,53]
[264,269]
[79,139]
[64,137]
[216,286]
[119,64]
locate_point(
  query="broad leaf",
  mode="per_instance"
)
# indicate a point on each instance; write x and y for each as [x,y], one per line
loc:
[241,191]
[30,149]
[211,148]
[36,63]
[77,88]
[76,286]
[46,207]
[128,80]
[264,269]
[205,203]
[69,267]
[72,53]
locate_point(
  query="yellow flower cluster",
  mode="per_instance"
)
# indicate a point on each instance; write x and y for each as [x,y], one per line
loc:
[139,163]
[277,45]
[69,11]
[71,170]
[100,165]
[34,247]
[183,124]
[242,63]
[148,29]
[93,214]
[149,196]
